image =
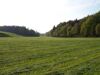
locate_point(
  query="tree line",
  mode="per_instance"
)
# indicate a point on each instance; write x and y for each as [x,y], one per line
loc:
[20,30]
[86,27]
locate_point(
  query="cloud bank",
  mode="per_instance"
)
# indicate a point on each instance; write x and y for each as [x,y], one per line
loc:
[42,15]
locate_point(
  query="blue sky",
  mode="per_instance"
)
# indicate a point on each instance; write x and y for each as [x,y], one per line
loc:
[42,15]
[81,8]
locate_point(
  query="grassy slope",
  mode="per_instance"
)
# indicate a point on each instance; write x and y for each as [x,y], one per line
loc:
[8,34]
[49,56]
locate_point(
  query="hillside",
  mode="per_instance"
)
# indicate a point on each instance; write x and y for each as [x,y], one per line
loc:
[85,27]
[7,34]
[20,30]
[49,56]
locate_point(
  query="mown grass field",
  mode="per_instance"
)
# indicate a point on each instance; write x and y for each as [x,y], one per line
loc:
[49,56]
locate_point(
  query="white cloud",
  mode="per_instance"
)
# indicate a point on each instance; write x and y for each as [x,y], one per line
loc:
[41,15]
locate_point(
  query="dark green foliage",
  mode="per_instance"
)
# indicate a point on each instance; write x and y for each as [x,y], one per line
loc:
[86,27]
[98,30]
[66,29]
[19,30]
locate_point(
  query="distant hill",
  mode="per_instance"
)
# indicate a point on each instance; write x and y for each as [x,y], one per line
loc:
[20,30]
[86,27]
[7,34]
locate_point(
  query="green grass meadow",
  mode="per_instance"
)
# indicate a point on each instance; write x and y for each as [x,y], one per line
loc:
[49,56]
[8,34]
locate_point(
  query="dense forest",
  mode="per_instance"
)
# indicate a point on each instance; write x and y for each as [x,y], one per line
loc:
[86,27]
[20,30]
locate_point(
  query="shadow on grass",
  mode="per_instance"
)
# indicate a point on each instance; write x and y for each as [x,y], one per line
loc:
[55,73]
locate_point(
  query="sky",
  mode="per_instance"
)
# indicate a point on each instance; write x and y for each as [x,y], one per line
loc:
[42,15]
